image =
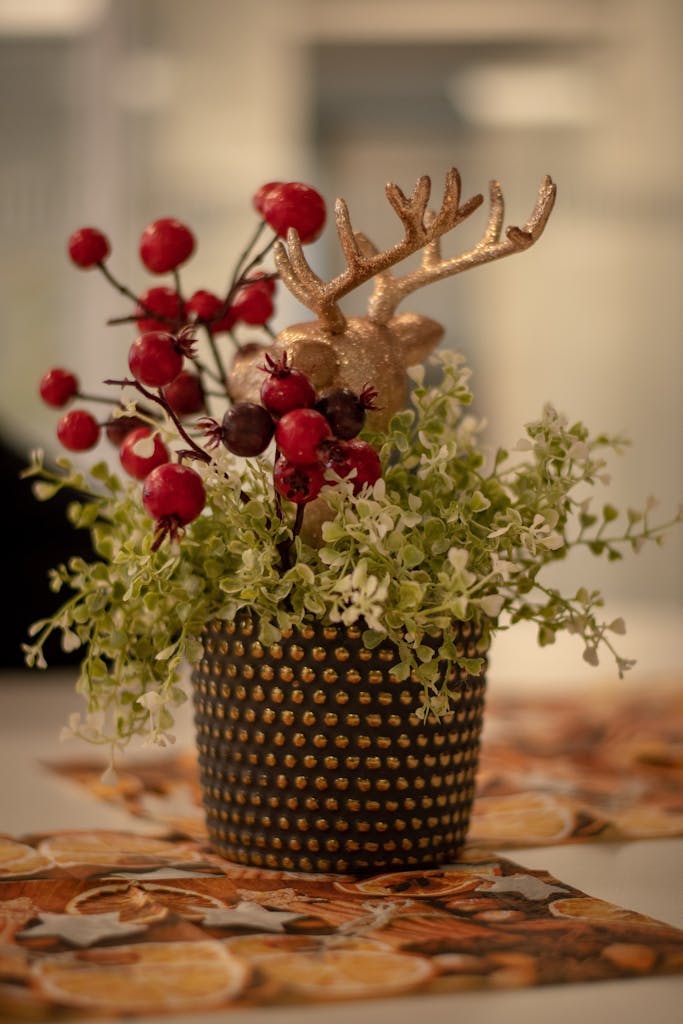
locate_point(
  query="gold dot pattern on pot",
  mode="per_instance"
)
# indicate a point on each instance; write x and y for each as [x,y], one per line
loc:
[312,757]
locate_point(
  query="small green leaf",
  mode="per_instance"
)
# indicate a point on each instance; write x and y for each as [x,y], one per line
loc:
[194,650]
[43,491]
[424,652]
[166,652]
[372,638]
[401,671]
[546,636]
[412,555]
[473,666]
[479,502]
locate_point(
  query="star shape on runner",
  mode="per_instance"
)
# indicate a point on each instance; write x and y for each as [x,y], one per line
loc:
[247,914]
[81,929]
[526,885]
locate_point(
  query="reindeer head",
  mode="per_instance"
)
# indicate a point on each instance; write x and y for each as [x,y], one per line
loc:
[377,349]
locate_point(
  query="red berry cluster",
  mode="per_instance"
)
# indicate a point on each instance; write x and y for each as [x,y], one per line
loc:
[162,308]
[313,433]
[174,383]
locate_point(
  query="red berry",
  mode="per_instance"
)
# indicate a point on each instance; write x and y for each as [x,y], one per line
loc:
[299,484]
[173,494]
[78,430]
[165,244]
[285,388]
[294,205]
[247,429]
[155,359]
[253,303]
[185,394]
[57,386]
[88,247]
[139,465]
[164,303]
[261,193]
[346,456]
[205,306]
[299,434]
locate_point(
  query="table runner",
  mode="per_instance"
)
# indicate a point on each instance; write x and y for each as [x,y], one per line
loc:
[116,923]
[552,771]
[119,923]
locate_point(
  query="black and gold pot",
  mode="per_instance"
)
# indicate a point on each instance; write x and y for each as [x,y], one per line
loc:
[312,758]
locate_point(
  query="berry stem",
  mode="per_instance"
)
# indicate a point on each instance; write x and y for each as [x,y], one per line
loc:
[240,268]
[178,289]
[141,307]
[285,547]
[123,290]
[246,262]
[195,450]
[221,376]
[115,321]
[298,521]
[131,318]
[95,398]
[204,370]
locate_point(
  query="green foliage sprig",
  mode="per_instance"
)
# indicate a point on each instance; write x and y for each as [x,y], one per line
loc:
[450,533]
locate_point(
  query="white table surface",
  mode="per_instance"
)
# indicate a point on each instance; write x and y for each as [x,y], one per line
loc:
[645,876]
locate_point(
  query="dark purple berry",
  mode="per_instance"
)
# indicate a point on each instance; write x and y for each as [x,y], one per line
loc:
[118,428]
[344,410]
[247,429]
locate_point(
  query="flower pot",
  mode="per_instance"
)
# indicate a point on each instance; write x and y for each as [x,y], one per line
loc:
[312,757]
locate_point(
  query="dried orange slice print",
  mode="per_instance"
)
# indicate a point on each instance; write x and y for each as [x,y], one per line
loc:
[521,818]
[143,902]
[347,973]
[145,978]
[124,850]
[17,860]
[589,908]
[124,898]
[411,884]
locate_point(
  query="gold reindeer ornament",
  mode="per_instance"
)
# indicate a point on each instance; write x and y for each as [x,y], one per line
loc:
[377,349]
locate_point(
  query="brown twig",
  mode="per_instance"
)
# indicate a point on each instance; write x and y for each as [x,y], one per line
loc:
[194,451]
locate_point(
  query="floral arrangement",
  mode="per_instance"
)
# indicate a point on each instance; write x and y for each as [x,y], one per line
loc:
[322,474]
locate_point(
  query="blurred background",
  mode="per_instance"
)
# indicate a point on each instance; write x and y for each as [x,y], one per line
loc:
[116,112]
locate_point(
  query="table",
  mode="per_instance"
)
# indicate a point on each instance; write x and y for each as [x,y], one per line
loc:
[637,875]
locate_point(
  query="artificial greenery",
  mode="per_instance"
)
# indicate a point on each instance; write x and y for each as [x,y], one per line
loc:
[451,532]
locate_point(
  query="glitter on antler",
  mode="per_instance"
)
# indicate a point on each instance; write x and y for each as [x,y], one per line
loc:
[389,290]
[423,229]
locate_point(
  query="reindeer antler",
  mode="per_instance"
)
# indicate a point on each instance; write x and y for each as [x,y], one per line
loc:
[362,262]
[390,290]
[423,229]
